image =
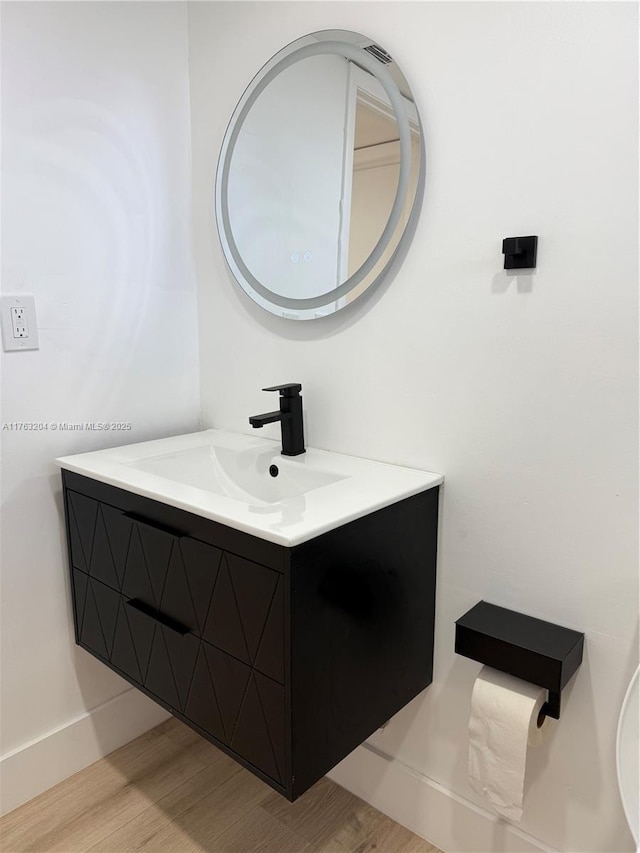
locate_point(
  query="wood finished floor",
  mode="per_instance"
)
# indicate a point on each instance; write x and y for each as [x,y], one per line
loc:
[171,791]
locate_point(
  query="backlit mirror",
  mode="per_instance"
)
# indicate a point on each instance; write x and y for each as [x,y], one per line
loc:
[320,176]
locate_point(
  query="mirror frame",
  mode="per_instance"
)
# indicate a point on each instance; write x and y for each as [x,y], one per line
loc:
[311,308]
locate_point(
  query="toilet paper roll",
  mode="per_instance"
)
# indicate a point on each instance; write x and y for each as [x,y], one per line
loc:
[502,726]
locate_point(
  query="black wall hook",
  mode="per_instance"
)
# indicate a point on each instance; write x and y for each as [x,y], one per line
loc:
[519,252]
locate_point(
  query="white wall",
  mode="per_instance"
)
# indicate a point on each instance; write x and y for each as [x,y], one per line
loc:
[522,390]
[96,224]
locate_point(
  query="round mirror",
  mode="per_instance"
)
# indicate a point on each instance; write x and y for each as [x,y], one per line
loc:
[320,176]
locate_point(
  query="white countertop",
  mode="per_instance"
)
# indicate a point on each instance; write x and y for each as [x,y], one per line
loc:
[225,476]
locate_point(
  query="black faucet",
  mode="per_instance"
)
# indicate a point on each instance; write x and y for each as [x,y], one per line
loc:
[290,417]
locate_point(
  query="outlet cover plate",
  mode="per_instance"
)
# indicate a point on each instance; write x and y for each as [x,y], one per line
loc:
[9,340]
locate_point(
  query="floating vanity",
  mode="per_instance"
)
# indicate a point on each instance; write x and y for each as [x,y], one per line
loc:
[281,607]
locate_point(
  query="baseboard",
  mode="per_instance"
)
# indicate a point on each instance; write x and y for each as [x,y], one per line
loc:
[447,820]
[32,768]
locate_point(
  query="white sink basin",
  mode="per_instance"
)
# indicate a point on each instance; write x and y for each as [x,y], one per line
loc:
[226,477]
[240,474]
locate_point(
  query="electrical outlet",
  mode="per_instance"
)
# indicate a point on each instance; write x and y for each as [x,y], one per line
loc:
[18,321]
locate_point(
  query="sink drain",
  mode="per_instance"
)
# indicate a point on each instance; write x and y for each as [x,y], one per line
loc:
[274,470]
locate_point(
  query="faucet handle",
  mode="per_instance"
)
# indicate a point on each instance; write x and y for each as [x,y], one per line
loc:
[292,389]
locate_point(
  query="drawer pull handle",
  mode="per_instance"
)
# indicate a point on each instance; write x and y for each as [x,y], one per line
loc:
[138,519]
[167,621]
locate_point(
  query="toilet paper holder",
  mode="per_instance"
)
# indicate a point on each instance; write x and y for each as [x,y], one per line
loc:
[536,651]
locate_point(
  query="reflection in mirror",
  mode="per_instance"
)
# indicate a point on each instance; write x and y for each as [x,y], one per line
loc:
[286,179]
[320,175]
[376,171]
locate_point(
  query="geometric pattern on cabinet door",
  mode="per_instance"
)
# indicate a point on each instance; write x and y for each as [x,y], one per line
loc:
[191,577]
[236,604]
[147,563]
[174,575]
[111,544]
[259,733]
[217,690]
[171,666]
[159,657]
[246,617]
[132,642]
[240,707]
[97,611]
[99,536]
[80,581]
[82,522]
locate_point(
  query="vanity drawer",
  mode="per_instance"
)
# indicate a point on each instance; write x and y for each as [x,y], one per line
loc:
[233,703]
[224,697]
[233,603]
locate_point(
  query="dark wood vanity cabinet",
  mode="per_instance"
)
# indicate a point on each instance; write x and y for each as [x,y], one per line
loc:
[287,658]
